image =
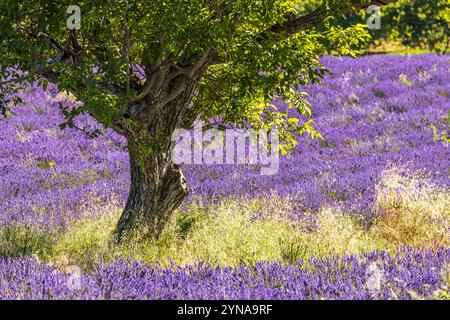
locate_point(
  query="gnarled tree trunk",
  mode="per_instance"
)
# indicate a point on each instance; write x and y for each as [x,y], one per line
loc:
[158,185]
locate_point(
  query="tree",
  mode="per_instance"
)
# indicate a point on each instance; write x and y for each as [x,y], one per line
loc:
[420,23]
[145,68]
[414,23]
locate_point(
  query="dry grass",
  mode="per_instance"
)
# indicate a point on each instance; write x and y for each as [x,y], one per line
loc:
[412,211]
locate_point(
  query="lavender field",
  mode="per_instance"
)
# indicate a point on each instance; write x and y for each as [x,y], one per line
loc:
[363,213]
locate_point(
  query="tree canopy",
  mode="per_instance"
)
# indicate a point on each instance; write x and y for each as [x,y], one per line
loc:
[256,51]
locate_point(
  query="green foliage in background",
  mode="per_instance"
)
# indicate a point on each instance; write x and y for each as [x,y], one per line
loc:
[421,24]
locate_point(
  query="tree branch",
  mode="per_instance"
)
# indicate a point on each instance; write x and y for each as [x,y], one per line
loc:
[189,73]
[201,62]
[149,83]
[295,23]
[47,73]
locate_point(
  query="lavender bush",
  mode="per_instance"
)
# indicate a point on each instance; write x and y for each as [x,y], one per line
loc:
[408,274]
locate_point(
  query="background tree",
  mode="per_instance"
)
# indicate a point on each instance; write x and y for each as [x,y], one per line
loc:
[420,23]
[147,67]
[412,23]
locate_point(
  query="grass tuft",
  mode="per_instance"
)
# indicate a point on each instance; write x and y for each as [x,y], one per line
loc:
[412,211]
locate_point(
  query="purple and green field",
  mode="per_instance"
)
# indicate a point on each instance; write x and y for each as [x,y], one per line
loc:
[363,213]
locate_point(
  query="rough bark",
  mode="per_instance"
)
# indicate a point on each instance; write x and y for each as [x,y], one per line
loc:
[158,185]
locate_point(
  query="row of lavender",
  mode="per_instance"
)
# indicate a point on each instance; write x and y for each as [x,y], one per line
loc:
[407,275]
